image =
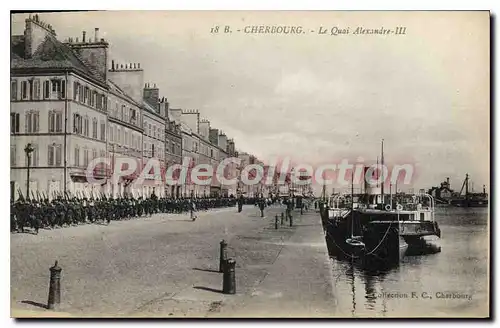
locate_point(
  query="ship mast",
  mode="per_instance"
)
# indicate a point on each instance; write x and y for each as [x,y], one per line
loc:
[382,166]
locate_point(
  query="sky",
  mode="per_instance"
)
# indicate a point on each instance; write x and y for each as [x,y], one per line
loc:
[319,98]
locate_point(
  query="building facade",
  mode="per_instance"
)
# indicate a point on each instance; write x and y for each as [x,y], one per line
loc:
[70,109]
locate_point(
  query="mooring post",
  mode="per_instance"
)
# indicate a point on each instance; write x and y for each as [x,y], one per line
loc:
[276,222]
[229,278]
[223,255]
[54,287]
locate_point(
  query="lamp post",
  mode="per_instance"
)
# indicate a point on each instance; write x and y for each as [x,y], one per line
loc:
[28,150]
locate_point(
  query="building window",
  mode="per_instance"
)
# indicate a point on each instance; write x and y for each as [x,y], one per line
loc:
[55,121]
[122,114]
[24,90]
[94,128]
[124,140]
[14,123]
[211,153]
[46,89]
[86,95]
[149,129]
[104,103]
[172,149]
[77,123]
[77,156]
[93,98]
[36,87]
[80,93]
[94,153]
[76,89]
[85,157]
[13,90]
[119,138]
[32,122]
[54,155]
[154,131]
[103,131]
[59,88]
[98,100]
[12,155]
[86,126]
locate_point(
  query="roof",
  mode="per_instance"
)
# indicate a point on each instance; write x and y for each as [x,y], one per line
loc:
[50,54]
[185,128]
[113,87]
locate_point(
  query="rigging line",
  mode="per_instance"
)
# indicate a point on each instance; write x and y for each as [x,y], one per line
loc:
[381,241]
[368,253]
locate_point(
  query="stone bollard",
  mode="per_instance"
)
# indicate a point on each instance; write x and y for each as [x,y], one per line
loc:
[223,255]
[276,222]
[54,287]
[229,278]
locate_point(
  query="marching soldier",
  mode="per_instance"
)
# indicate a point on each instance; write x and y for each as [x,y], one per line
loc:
[240,204]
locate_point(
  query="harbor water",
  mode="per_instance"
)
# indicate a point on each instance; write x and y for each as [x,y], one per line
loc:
[453,282]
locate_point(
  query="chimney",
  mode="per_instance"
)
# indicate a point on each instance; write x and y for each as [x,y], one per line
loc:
[83,36]
[112,65]
[448,181]
[151,95]
[96,34]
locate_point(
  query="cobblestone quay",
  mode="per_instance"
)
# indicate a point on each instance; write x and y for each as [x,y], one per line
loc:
[168,266]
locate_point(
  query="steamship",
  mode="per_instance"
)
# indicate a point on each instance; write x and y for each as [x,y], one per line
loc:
[372,224]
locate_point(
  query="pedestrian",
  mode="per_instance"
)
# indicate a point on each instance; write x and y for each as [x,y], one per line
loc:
[193,211]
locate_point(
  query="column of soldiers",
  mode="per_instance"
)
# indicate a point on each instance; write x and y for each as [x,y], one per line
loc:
[69,211]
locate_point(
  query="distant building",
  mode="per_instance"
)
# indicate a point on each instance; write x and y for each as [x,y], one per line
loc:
[443,192]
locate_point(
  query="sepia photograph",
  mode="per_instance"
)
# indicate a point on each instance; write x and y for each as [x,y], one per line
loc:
[250,164]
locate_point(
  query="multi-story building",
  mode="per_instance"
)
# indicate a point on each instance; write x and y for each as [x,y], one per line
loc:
[173,148]
[125,135]
[71,108]
[59,106]
[154,117]
[254,189]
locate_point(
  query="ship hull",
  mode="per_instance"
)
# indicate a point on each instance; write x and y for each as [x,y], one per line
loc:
[385,239]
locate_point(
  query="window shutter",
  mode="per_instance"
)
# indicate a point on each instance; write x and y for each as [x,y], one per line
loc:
[50,156]
[16,118]
[58,122]
[75,90]
[63,89]
[37,122]
[27,123]
[13,95]
[58,155]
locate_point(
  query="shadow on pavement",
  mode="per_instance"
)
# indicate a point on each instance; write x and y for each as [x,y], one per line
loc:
[43,306]
[206,270]
[209,289]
